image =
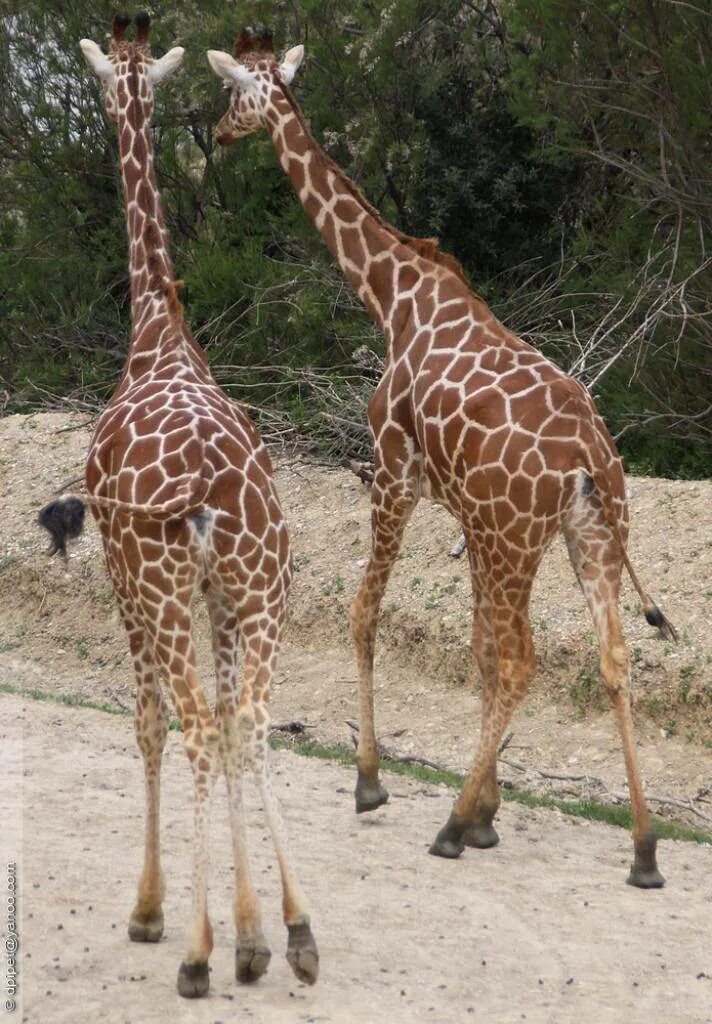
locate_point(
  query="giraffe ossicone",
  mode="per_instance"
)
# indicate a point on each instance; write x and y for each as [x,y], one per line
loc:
[478,420]
[182,489]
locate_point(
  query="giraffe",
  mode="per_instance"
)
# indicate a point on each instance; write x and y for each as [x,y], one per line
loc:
[182,489]
[474,418]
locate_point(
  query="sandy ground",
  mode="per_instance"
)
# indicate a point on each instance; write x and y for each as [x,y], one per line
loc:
[541,929]
[59,630]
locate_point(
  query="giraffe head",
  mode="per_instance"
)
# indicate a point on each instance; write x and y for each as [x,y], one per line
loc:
[250,76]
[129,70]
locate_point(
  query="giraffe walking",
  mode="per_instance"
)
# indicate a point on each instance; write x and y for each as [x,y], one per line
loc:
[181,487]
[472,417]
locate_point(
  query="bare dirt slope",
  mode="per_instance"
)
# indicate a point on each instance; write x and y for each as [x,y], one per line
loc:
[541,929]
[60,631]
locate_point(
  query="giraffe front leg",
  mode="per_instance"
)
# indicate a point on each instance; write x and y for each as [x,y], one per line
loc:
[392,506]
[370,793]
[481,834]
[515,670]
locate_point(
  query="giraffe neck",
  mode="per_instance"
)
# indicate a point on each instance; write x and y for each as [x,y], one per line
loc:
[370,252]
[150,264]
[159,333]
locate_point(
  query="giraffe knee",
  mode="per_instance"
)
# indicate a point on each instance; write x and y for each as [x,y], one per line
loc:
[515,676]
[362,625]
[615,667]
[245,722]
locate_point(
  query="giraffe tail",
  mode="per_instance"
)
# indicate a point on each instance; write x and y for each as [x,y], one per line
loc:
[188,499]
[190,493]
[599,475]
[64,520]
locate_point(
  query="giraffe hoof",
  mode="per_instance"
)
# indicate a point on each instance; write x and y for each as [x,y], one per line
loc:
[449,840]
[446,848]
[193,979]
[482,837]
[645,879]
[251,962]
[644,870]
[370,794]
[302,954]
[145,929]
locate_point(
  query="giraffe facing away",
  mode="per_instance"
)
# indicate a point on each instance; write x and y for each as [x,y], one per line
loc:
[182,490]
[472,417]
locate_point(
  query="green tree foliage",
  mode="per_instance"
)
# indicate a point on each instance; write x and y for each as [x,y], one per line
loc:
[625,88]
[484,123]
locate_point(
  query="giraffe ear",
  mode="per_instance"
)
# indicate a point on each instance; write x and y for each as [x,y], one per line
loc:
[290,65]
[164,67]
[97,60]
[226,67]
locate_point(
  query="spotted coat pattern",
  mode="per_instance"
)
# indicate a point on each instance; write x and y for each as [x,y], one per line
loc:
[473,417]
[182,489]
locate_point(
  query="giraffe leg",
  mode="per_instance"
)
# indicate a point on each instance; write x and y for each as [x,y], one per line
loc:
[260,662]
[515,670]
[393,503]
[175,655]
[482,834]
[596,562]
[151,726]
[252,954]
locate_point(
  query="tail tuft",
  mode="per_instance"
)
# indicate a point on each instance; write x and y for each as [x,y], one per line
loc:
[655,617]
[64,520]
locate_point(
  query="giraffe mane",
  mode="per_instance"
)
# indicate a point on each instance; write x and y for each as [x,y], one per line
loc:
[158,281]
[175,306]
[428,248]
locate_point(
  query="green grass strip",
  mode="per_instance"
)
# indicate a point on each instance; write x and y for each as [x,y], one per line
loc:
[611,814]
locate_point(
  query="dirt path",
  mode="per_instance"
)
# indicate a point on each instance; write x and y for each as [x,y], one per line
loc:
[541,929]
[59,630]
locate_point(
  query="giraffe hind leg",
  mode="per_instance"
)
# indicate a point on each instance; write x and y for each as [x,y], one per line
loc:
[175,656]
[596,562]
[252,954]
[260,663]
[151,727]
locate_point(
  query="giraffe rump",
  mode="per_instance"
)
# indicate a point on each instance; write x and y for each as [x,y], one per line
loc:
[64,520]
[597,479]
